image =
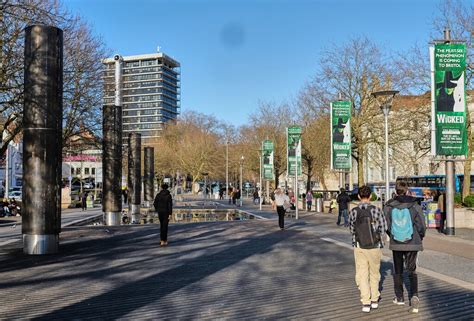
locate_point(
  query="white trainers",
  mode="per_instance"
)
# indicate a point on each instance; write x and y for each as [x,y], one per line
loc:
[415,302]
[374,305]
[366,308]
[398,301]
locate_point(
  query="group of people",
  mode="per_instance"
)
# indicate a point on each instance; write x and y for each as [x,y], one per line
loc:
[403,225]
[9,207]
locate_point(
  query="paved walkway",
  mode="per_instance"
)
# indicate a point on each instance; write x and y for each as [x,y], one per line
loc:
[221,270]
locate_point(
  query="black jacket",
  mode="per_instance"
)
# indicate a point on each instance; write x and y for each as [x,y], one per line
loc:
[417,218]
[163,202]
[342,200]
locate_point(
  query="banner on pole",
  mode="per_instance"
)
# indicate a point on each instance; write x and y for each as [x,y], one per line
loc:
[341,139]
[293,138]
[449,66]
[267,152]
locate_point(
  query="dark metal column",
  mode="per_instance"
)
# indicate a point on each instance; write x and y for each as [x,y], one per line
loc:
[112,153]
[149,174]
[42,139]
[134,175]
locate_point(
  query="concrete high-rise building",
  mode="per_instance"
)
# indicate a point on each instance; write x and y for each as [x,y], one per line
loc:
[151,92]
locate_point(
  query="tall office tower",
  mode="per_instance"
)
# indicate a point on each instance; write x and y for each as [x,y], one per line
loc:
[151,92]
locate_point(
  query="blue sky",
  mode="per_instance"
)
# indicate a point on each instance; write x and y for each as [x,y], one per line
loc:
[235,53]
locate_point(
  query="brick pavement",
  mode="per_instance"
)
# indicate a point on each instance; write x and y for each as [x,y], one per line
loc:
[221,270]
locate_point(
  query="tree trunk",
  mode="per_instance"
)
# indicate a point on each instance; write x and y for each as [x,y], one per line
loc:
[360,166]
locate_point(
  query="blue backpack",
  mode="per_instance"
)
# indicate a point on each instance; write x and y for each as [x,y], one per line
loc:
[402,225]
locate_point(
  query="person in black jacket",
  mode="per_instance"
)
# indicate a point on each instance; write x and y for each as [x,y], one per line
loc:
[405,253]
[342,200]
[164,207]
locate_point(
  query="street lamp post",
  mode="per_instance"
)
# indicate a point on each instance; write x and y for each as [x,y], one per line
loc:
[260,191]
[241,186]
[384,98]
[227,169]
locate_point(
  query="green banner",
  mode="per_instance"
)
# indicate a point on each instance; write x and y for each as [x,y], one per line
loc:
[293,135]
[341,141]
[450,99]
[267,150]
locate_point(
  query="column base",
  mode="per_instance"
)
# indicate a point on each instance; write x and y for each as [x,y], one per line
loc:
[34,244]
[112,218]
[450,231]
[135,213]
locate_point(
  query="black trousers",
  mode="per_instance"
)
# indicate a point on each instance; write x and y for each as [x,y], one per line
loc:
[164,220]
[409,257]
[281,216]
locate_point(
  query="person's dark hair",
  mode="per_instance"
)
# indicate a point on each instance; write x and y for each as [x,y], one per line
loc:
[401,187]
[365,192]
[164,186]
[342,190]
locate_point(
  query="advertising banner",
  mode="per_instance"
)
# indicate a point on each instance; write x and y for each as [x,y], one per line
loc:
[449,66]
[293,135]
[341,143]
[267,155]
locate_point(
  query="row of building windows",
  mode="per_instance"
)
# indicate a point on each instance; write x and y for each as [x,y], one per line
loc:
[144,84]
[154,90]
[149,98]
[148,119]
[151,77]
[130,127]
[111,73]
[78,171]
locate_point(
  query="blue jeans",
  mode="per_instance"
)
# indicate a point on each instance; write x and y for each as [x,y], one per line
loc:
[343,213]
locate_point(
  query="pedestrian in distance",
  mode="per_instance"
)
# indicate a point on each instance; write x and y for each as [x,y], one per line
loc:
[406,227]
[332,205]
[84,200]
[272,198]
[256,197]
[164,207]
[282,202]
[234,196]
[367,225]
[309,200]
[442,211]
[343,199]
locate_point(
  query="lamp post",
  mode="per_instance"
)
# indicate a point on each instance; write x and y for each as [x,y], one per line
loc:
[384,99]
[227,169]
[241,186]
[260,191]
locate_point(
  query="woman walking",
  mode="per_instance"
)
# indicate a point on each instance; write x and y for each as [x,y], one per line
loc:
[282,202]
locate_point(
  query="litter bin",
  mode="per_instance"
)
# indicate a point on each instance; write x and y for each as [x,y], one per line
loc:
[319,204]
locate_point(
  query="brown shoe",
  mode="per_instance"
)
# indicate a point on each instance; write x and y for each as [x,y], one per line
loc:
[162,243]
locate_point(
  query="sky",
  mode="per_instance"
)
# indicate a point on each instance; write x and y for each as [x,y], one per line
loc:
[237,53]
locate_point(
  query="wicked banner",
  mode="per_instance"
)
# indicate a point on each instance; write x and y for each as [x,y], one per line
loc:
[449,66]
[267,150]
[341,135]
[293,135]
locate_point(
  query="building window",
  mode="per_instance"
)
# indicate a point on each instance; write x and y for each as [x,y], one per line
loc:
[78,171]
[93,170]
[86,171]
[72,171]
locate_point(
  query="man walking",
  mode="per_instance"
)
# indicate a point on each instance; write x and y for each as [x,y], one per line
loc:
[342,200]
[406,227]
[164,207]
[367,225]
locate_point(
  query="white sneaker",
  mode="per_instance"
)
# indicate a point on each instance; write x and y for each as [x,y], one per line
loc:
[374,305]
[398,301]
[366,308]
[415,302]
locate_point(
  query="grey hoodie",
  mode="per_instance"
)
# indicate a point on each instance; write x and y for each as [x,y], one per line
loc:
[417,218]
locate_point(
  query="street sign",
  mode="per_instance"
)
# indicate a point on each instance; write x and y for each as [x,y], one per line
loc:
[267,150]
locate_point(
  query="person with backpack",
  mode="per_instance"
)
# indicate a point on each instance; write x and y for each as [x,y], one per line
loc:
[406,227]
[343,200]
[367,225]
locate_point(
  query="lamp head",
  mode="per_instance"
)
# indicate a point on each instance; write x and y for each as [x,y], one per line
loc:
[384,99]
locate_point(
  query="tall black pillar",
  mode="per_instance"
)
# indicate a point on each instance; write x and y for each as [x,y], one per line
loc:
[42,139]
[149,174]
[134,174]
[112,153]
